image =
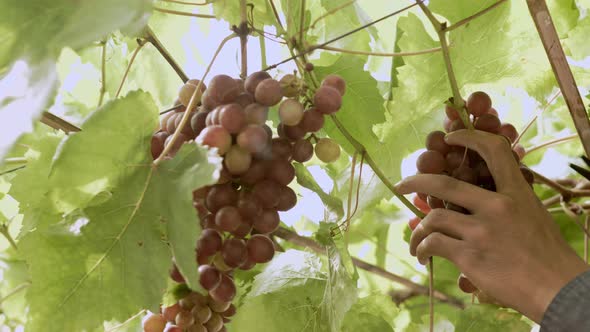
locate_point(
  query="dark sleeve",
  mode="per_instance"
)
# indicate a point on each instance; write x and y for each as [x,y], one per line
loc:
[570,309]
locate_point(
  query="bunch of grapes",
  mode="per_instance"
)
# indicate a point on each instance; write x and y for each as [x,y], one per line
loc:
[462,163]
[241,210]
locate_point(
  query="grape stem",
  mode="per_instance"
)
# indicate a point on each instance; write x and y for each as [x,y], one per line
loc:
[262,42]
[103,73]
[116,327]
[12,170]
[530,124]
[326,14]
[58,123]
[186,3]
[309,50]
[4,231]
[153,39]
[140,44]
[550,143]
[574,216]
[15,161]
[243,32]
[15,291]
[431,291]
[382,54]
[586,225]
[171,109]
[474,16]
[192,103]
[361,149]
[176,12]
[563,191]
[458,103]
[299,240]
[278,18]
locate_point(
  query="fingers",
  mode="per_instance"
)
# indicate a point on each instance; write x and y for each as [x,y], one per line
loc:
[443,221]
[446,188]
[496,151]
[438,244]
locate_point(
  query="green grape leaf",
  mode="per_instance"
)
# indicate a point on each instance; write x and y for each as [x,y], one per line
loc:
[111,259]
[340,293]
[487,318]
[576,42]
[230,11]
[34,33]
[40,29]
[375,312]
[305,179]
[286,295]
[290,295]
[79,173]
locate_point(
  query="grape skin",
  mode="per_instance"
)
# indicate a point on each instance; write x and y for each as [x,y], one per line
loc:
[256,114]
[260,248]
[253,138]
[436,141]
[215,137]
[327,100]
[268,92]
[154,323]
[302,150]
[225,292]
[232,118]
[254,79]
[234,252]
[327,150]
[479,103]
[268,222]
[336,82]
[431,162]
[228,218]
[237,160]
[312,120]
[290,112]
[210,242]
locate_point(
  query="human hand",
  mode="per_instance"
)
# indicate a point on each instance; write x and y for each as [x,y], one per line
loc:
[509,247]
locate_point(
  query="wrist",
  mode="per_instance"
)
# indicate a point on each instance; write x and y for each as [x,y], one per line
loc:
[555,281]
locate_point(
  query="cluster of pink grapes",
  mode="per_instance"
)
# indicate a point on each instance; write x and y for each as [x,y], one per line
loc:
[461,163]
[240,212]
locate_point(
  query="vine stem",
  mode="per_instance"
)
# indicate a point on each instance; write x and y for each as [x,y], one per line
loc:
[15,291]
[551,142]
[309,50]
[103,73]
[174,108]
[58,123]
[474,16]
[192,103]
[140,45]
[243,33]
[180,13]
[458,102]
[15,161]
[186,3]
[302,21]
[276,13]
[262,42]
[153,39]
[12,170]
[382,54]
[532,121]
[369,160]
[4,231]
[299,240]
[561,69]
[564,192]
[326,14]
